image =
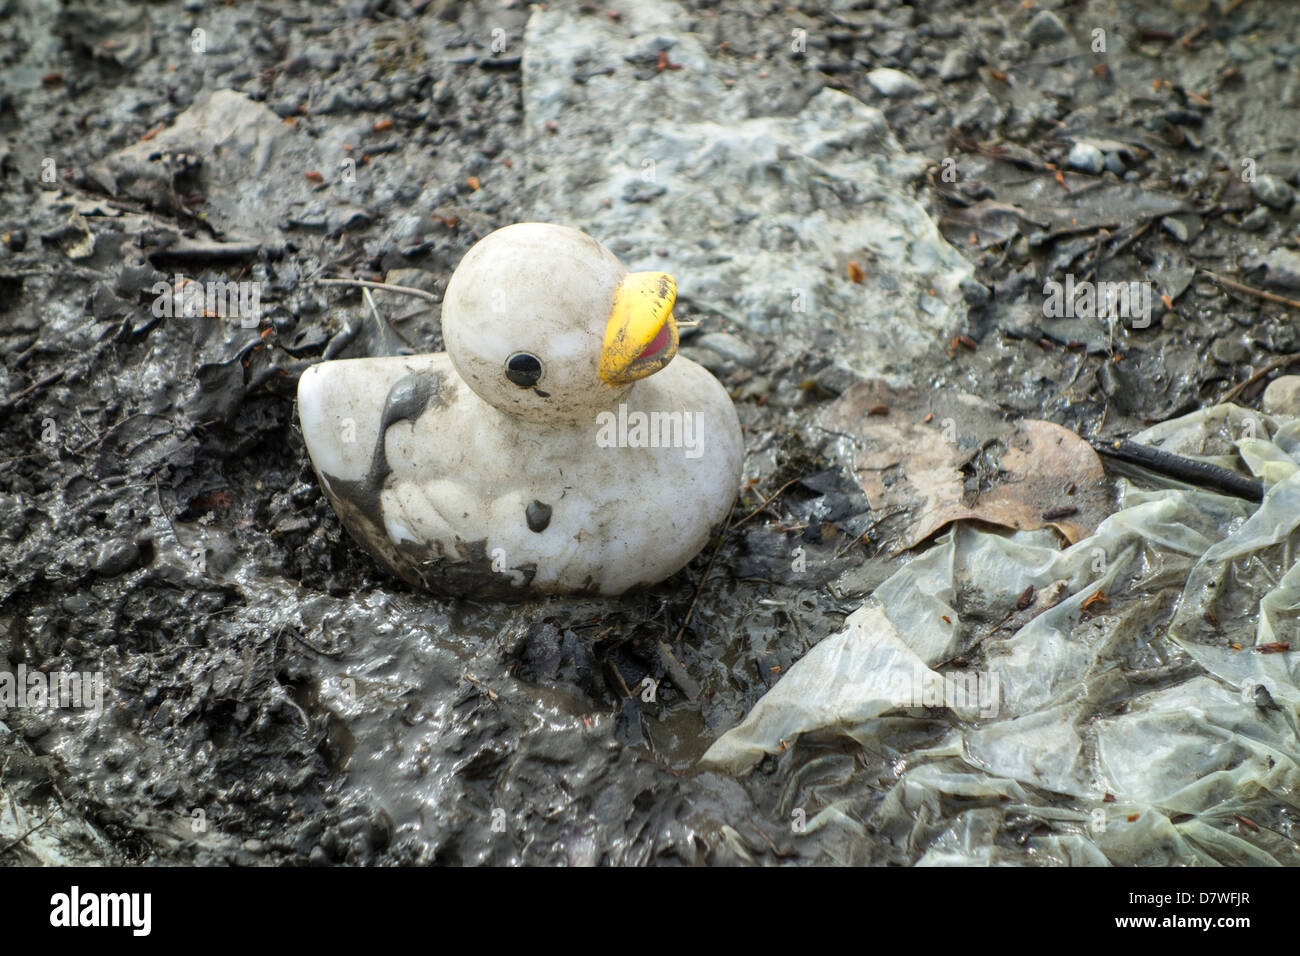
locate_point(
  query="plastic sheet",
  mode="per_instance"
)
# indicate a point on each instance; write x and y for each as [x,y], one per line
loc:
[1137,706]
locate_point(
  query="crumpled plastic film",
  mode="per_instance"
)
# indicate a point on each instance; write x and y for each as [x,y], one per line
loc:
[1139,706]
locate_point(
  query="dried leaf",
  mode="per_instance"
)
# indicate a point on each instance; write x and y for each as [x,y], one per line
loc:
[904,463]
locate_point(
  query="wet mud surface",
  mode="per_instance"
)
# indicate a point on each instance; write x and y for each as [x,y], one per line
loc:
[275,696]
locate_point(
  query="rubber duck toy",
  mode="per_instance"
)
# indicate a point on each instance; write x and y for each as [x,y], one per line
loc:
[555,447]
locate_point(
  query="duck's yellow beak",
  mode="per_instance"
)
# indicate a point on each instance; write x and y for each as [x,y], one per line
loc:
[641,334]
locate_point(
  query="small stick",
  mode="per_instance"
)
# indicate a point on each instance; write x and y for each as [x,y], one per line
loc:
[1186,41]
[700,587]
[203,250]
[680,676]
[379,319]
[871,527]
[627,692]
[15,399]
[1266,371]
[1251,290]
[1183,469]
[767,502]
[9,846]
[1132,237]
[382,286]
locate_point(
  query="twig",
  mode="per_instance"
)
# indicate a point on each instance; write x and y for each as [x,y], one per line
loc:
[382,286]
[379,319]
[1187,470]
[627,691]
[1251,290]
[1266,371]
[681,677]
[1129,240]
[700,587]
[7,847]
[13,400]
[1187,39]
[200,250]
[767,502]
[871,527]
[293,632]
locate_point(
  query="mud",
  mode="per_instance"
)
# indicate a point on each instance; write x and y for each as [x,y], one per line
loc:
[276,696]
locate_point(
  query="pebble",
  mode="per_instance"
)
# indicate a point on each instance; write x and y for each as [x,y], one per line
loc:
[1086,158]
[116,556]
[1241,52]
[1273,191]
[1256,220]
[1282,397]
[1176,228]
[980,112]
[887,45]
[639,191]
[889,82]
[1282,268]
[975,292]
[1229,351]
[335,100]
[1046,27]
[958,64]
[729,347]
[708,359]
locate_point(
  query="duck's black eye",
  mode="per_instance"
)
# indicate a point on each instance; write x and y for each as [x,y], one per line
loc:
[523,369]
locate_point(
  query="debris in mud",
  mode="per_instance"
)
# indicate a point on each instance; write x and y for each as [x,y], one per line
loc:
[277,699]
[1034,703]
[934,459]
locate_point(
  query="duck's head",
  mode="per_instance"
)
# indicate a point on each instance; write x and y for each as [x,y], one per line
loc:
[544,323]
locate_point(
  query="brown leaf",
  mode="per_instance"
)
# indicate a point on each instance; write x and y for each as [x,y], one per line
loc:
[904,464]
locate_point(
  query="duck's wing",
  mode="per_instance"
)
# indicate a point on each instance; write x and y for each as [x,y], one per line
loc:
[345,409]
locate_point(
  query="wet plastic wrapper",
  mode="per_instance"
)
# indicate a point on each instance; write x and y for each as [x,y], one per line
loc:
[1138,705]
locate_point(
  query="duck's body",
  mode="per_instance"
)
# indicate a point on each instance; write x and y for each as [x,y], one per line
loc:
[472,497]
[462,498]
